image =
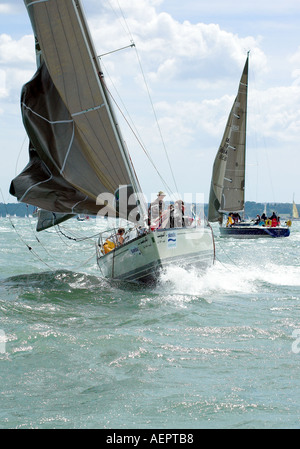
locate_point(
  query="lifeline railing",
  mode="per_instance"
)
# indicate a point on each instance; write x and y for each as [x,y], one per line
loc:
[111,234]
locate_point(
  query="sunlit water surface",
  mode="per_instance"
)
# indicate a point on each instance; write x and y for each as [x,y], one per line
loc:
[200,350]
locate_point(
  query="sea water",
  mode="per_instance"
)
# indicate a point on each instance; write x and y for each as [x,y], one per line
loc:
[219,349]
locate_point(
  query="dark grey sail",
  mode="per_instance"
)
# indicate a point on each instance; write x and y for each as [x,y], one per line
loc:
[76,150]
[48,219]
[227,192]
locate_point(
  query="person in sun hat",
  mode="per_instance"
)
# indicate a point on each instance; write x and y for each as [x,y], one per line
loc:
[156,209]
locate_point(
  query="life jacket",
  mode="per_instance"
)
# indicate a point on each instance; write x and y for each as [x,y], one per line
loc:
[108,246]
[230,221]
[274,222]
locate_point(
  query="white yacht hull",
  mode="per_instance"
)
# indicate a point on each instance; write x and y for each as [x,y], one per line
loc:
[141,259]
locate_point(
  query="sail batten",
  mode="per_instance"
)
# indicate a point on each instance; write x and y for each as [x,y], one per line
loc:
[227,192]
[73,133]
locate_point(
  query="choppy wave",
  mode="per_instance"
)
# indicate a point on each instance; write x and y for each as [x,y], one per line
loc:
[201,349]
[228,279]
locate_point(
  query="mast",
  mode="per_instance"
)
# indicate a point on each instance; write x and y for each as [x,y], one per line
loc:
[114,122]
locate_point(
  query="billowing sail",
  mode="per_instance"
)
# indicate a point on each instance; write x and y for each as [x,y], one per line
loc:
[76,151]
[228,178]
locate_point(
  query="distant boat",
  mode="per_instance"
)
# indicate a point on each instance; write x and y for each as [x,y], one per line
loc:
[295,214]
[83,217]
[227,193]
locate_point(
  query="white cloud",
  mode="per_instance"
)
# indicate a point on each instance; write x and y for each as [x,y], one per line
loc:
[295,58]
[193,69]
[276,114]
[17,61]
[6,8]
[16,51]
[296,77]
[232,8]
[3,88]
[176,51]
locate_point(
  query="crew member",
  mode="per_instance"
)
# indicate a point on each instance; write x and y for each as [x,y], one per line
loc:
[156,209]
[120,236]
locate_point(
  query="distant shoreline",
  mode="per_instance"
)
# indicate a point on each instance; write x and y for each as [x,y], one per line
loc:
[251,210]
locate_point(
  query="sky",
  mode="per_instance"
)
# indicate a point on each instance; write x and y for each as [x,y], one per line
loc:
[191,55]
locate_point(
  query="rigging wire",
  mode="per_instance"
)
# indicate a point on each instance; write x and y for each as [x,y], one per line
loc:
[140,142]
[21,149]
[131,125]
[228,257]
[118,17]
[257,100]
[125,109]
[156,118]
[32,250]
[76,239]
[149,94]
[36,237]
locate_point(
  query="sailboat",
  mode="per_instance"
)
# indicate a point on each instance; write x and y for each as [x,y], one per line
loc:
[227,192]
[81,217]
[78,160]
[295,214]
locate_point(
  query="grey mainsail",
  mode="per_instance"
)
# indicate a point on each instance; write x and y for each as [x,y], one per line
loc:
[76,150]
[227,192]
